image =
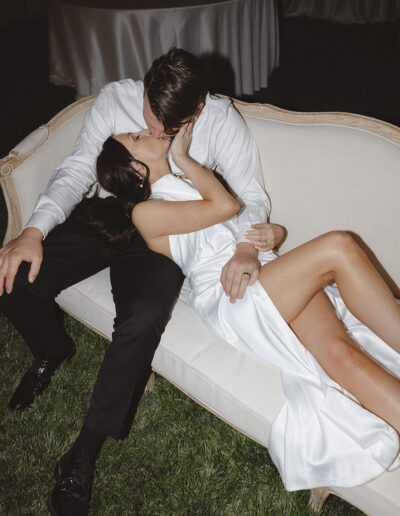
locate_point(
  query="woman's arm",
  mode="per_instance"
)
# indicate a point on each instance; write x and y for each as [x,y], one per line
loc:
[156,218]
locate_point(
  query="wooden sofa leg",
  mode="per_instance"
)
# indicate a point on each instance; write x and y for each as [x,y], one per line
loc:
[151,383]
[318,497]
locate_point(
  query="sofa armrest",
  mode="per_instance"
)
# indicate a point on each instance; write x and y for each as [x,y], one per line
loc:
[24,173]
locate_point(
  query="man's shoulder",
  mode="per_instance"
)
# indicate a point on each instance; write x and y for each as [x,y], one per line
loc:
[220,108]
[220,113]
[217,105]
[125,87]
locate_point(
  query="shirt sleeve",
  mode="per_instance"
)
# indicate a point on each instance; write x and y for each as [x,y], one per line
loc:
[77,171]
[238,160]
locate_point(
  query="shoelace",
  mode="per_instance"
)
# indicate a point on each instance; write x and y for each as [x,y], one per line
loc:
[40,367]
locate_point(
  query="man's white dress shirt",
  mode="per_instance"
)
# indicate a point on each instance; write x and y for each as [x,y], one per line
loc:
[220,139]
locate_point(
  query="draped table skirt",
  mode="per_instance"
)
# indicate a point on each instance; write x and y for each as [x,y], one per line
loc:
[92,44]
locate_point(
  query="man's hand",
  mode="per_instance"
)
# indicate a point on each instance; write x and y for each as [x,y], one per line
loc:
[266,236]
[241,271]
[27,247]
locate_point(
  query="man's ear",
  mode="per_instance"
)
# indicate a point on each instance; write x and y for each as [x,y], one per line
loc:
[198,109]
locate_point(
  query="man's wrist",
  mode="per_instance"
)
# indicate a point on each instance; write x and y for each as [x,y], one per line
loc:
[247,247]
[33,232]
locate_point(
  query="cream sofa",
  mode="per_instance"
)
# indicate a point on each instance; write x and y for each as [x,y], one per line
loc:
[323,171]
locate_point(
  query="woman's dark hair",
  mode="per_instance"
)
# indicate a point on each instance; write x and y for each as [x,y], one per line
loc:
[111,216]
[174,86]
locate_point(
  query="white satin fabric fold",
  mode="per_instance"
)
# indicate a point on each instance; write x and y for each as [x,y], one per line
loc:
[90,47]
[322,436]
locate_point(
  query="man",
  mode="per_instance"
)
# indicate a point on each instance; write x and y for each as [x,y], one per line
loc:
[54,252]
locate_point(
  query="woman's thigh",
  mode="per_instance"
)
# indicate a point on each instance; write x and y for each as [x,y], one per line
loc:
[293,279]
[324,335]
[294,283]
[320,330]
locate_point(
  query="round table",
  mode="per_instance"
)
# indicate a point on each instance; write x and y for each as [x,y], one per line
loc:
[93,42]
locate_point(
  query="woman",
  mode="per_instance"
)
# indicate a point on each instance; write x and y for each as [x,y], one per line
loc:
[322,436]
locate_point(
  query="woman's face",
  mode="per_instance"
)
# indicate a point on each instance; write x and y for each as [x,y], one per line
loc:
[144,147]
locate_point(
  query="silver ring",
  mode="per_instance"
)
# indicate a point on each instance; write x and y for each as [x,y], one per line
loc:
[246,273]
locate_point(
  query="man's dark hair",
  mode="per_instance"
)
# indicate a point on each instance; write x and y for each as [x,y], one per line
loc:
[174,86]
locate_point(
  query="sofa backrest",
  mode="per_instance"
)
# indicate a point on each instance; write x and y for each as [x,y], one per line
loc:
[321,171]
[326,174]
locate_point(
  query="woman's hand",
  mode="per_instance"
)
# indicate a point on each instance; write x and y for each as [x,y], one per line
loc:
[181,143]
[266,236]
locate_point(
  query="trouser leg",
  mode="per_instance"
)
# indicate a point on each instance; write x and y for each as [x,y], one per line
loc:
[71,253]
[145,286]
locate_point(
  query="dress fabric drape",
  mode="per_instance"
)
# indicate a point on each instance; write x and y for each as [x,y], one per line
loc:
[90,47]
[322,436]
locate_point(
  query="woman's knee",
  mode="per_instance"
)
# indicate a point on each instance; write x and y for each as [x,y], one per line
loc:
[339,239]
[340,245]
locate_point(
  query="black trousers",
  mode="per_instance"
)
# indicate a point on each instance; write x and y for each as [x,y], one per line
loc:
[145,286]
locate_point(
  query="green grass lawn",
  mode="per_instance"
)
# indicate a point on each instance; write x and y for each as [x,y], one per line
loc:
[178,460]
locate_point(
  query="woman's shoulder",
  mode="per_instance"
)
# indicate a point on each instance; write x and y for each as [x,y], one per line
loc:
[150,217]
[144,208]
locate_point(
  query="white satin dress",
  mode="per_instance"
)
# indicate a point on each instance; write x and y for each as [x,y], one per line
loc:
[321,436]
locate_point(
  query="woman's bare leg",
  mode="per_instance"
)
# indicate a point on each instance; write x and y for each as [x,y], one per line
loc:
[294,283]
[294,278]
[323,334]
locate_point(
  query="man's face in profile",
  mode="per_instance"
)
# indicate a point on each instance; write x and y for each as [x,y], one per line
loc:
[154,125]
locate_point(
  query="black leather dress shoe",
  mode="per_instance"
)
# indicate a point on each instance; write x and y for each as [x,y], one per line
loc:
[74,477]
[36,379]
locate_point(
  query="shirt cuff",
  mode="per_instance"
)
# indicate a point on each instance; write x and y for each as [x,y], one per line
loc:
[42,221]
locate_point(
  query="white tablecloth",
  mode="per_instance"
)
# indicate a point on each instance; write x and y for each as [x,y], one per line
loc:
[236,40]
